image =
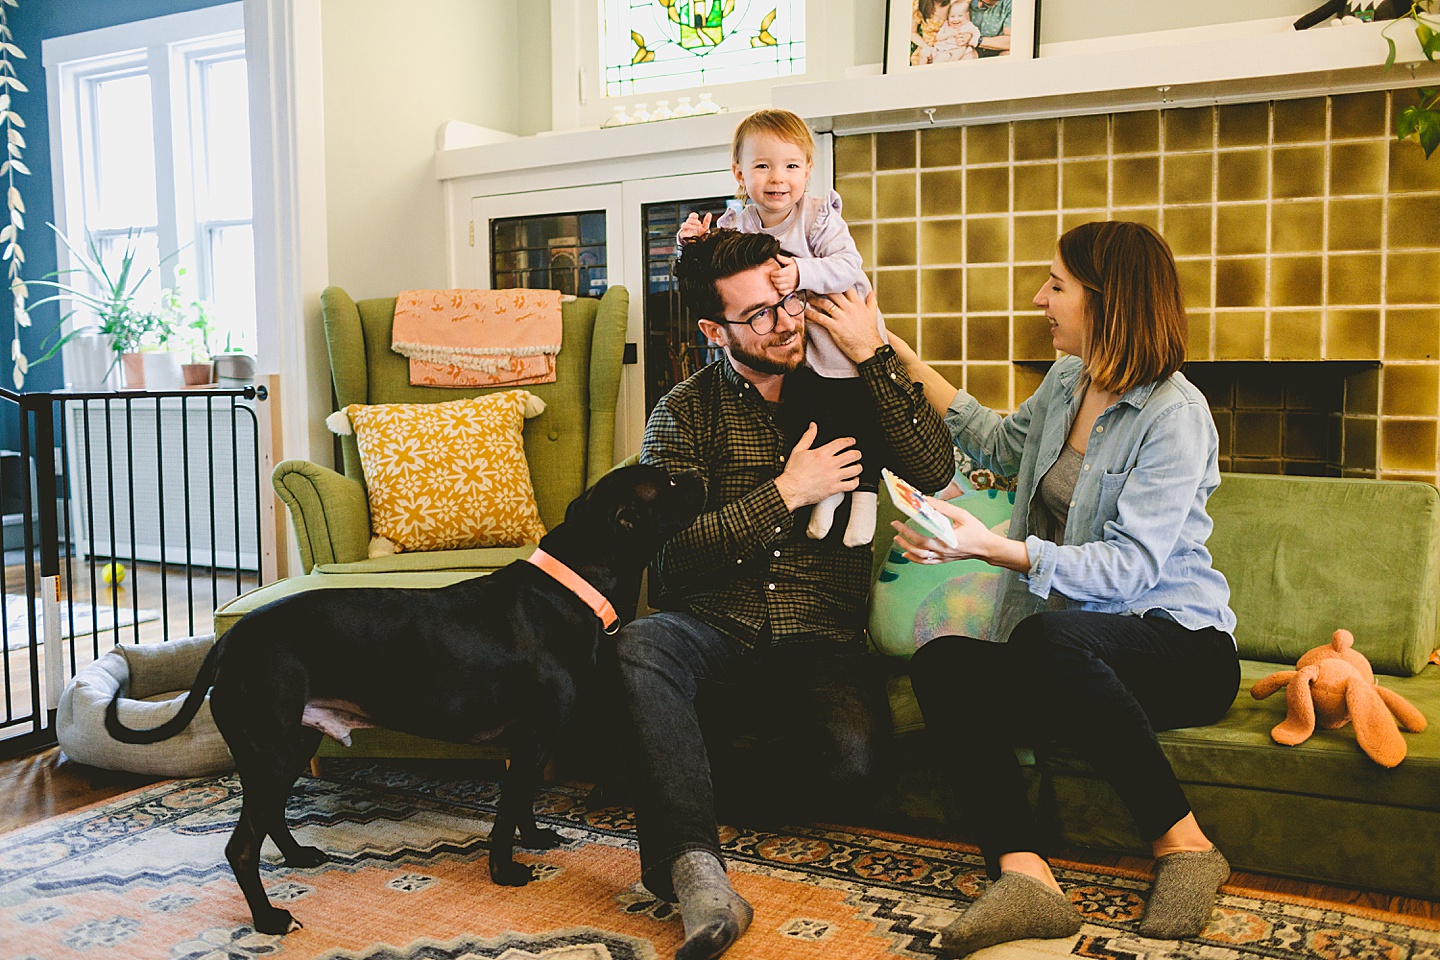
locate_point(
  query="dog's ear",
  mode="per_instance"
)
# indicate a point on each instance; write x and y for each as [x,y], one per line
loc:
[627,518]
[570,510]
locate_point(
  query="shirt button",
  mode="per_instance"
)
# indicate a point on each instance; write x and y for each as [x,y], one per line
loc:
[1087,466]
[782,458]
[1099,428]
[777,553]
[1072,503]
[739,559]
[914,420]
[777,529]
[770,586]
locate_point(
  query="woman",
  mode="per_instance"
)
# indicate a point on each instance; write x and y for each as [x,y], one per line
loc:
[1117,624]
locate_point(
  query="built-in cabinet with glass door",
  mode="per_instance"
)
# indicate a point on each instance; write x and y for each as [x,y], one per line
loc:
[580,240]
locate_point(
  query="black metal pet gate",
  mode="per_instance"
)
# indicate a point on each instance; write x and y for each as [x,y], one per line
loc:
[127,518]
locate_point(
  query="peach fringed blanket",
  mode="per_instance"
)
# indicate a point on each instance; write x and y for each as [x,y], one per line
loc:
[478,338]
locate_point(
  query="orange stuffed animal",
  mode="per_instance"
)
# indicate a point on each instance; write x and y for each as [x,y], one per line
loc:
[1334,684]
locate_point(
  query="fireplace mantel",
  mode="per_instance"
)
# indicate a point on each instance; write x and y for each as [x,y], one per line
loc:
[1175,70]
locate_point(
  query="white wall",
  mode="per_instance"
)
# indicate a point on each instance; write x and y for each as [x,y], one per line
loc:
[393,75]
[1083,19]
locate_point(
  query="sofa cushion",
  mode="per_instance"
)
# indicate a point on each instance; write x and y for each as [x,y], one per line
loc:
[1306,556]
[226,616]
[452,475]
[480,559]
[1238,751]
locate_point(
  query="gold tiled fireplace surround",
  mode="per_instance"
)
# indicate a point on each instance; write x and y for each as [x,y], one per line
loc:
[1308,244]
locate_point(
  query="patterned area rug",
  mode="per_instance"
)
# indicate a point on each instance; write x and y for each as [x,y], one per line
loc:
[144,876]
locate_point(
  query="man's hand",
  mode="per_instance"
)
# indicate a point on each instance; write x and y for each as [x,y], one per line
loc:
[785,276]
[694,227]
[814,473]
[851,322]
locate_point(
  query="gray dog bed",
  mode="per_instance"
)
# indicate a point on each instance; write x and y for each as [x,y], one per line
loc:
[152,681]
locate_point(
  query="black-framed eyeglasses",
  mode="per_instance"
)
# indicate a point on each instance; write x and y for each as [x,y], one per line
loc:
[762,321]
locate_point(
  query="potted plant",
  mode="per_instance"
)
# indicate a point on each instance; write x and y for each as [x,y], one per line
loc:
[184,331]
[111,298]
[1421,121]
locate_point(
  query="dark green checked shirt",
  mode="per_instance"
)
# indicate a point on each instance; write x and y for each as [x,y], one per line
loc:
[744,564]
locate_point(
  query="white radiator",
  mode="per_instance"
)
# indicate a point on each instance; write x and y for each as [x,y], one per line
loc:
[140,470]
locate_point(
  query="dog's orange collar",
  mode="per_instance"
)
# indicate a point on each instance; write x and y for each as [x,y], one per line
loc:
[578,586]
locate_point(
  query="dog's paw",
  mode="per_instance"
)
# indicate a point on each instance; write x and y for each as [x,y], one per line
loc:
[307,857]
[275,920]
[541,838]
[508,873]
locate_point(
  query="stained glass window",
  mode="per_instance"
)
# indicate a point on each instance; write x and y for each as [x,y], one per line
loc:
[651,46]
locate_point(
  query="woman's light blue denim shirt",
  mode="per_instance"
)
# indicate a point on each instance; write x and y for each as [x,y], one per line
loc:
[1135,539]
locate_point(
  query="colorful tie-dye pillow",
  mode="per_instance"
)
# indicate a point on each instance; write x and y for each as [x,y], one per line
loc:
[914,603]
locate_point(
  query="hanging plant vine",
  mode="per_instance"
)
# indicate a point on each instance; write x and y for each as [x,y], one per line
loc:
[13,255]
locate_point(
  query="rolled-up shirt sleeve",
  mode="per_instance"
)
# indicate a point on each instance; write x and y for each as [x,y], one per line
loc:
[924,454]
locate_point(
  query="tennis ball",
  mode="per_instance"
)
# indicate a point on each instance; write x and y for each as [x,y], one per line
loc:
[113,573]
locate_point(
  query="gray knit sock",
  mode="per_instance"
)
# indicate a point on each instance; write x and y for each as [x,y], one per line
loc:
[1184,893]
[713,913]
[1016,907]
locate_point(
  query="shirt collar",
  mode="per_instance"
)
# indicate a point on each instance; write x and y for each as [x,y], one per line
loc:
[1135,396]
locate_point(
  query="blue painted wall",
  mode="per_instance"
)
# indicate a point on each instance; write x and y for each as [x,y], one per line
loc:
[31,23]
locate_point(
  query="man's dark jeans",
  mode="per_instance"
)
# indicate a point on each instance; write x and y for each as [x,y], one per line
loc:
[818,708]
[1098,683]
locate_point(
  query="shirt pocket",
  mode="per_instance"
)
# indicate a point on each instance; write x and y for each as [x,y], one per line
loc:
[1107,506]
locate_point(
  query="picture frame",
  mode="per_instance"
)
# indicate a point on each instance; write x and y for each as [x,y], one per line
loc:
[960,32]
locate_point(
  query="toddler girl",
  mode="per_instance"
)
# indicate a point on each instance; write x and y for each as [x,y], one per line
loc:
[772,154]
[958,36]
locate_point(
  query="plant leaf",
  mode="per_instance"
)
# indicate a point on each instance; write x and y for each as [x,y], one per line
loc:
[1429,130]
[1406,123]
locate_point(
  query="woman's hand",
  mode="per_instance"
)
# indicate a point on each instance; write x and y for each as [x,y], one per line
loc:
[853,323]
[974,540]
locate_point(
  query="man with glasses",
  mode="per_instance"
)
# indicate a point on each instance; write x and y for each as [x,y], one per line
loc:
[763,623]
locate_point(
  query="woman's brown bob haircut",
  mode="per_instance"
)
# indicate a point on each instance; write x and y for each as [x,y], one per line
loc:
[781,124]
[1138,329]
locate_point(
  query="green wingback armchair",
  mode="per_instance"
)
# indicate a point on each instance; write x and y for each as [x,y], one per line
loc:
[568,447]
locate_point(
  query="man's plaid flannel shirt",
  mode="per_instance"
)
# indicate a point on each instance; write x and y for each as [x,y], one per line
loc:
[744,564]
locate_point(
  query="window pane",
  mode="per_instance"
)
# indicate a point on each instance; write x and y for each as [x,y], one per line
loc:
[124,154]
[651,47]
[227,140]
[232,287]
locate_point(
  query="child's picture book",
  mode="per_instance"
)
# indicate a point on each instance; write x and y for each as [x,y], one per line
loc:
[913,503]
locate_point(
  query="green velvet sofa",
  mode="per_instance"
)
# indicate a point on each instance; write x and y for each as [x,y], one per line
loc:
[1303,557]
[567,447]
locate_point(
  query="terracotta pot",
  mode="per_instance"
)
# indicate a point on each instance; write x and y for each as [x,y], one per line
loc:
[197,374]
[132,367]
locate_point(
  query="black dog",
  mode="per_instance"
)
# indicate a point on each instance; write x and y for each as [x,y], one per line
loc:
[460,663]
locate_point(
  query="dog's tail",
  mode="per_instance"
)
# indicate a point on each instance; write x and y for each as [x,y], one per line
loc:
[193,701]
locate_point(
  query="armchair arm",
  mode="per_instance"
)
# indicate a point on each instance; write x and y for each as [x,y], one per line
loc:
[329,511]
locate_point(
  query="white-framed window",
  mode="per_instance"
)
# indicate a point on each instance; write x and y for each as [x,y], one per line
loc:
[151,142]
[609,53]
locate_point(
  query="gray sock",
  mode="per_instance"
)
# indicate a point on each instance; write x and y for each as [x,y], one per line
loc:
[713,913]
[1184,893]
[1016,907]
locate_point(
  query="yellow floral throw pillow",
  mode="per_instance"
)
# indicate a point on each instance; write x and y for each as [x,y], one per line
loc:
[446,476]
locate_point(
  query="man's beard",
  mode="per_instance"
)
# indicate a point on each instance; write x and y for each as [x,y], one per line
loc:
[763,364]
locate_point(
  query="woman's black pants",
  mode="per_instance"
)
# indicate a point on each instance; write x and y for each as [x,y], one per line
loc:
[1100,684]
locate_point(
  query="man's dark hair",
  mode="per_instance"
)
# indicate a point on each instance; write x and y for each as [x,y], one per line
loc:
[718,255]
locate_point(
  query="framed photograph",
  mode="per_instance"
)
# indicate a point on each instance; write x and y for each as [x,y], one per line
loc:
[923,33]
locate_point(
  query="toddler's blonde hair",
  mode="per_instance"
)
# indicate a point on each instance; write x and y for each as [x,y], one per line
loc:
[781,124]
